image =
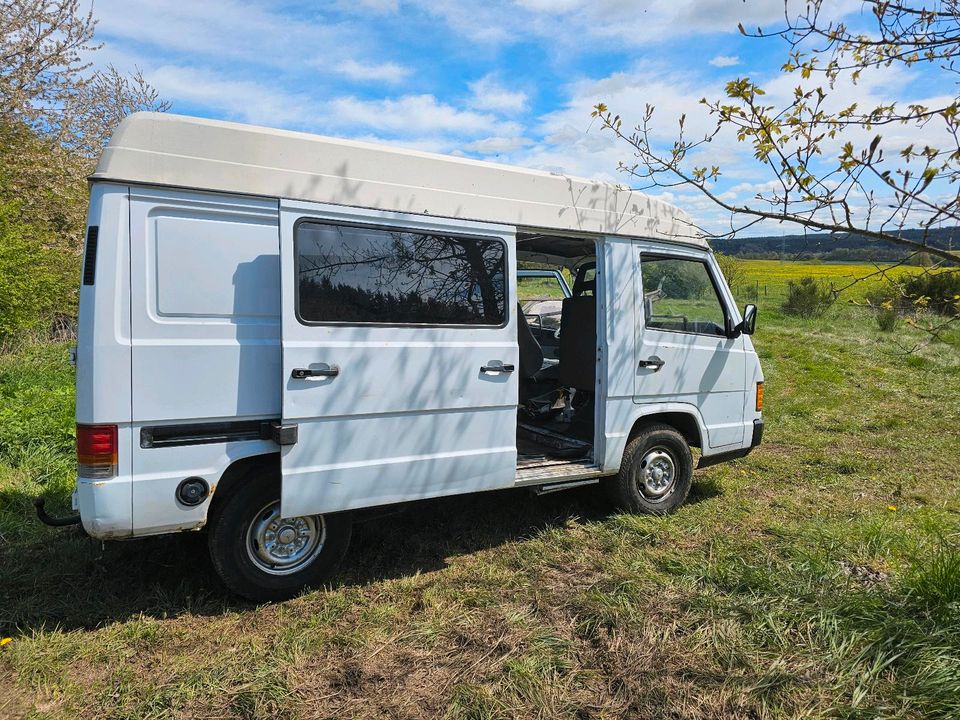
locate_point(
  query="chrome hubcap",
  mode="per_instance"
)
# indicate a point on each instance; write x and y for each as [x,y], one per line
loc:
[281,546]
[656,474]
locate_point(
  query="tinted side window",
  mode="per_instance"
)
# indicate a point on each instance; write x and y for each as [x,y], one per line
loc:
[370,275]
[679,295]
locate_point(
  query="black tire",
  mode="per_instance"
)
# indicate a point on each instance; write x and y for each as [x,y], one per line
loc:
[627,489]
[251,501]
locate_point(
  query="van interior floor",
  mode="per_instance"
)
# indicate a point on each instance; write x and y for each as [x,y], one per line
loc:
[542,440]
[545,455]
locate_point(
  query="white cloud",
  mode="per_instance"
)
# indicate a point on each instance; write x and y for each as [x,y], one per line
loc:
[279,66]
[388,72]
[227,29]
[488,94]
[725,61]
[412,115]
[571,143]
[244,100]
[571,23]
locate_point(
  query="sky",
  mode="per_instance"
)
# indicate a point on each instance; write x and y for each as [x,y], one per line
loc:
[510,81]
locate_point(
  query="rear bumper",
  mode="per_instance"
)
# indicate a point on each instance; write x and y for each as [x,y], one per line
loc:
[106,507]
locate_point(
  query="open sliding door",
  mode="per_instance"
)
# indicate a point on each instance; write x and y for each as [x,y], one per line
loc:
[399,349]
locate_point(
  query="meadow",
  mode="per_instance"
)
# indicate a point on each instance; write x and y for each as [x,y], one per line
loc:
[819,576]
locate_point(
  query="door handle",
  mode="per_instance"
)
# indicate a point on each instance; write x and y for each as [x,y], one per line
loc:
[301,373]
[497,368]
[654,362]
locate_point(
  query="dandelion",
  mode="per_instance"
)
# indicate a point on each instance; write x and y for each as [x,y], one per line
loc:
[5,641]
[892,508]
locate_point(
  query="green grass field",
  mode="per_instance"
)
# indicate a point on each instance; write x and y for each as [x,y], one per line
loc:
[820,576]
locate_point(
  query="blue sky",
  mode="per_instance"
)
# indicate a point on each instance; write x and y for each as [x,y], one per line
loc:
[505,80]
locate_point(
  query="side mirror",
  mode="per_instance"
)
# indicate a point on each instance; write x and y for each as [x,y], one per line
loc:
[749,322]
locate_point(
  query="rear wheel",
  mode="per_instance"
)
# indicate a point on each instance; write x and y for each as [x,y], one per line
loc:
[655,474]
[263,556]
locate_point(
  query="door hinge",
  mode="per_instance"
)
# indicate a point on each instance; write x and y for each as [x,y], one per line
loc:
[278,432]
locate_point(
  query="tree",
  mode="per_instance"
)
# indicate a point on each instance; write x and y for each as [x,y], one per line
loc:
[731,267]
[56,114]
[100,103]
[829,167]
[42,47]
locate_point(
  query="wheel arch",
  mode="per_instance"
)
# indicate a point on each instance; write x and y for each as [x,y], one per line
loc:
[684,417]
[237,472]
[686,423]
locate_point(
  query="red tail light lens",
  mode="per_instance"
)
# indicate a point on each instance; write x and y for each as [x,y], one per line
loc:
[97,451]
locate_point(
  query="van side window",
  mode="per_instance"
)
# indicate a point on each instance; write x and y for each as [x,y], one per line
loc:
[353,274]
[679,296]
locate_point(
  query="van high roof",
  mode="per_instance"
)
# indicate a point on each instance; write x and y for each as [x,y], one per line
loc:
[197,153]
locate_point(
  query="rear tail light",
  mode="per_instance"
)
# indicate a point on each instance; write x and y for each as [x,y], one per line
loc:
[97,451]
[759,396]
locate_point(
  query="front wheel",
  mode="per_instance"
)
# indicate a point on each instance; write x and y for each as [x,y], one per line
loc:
[656,472]
[263,556]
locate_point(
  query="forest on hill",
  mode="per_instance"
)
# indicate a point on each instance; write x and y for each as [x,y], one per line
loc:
[835,246]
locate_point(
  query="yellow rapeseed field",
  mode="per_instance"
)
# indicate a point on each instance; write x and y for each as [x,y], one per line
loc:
[770,277]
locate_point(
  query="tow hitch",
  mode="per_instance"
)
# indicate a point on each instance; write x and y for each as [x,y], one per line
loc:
[53,521]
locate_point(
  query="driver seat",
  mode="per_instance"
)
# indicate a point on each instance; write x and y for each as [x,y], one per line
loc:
[578,333]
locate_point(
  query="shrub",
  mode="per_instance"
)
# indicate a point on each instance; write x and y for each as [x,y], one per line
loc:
[35,280]
[941,288]
[806,298]
[887,318]
[937,290]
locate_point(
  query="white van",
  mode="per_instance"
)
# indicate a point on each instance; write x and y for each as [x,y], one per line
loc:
[277,329]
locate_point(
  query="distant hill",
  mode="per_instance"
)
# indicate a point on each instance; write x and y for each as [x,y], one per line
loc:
[825,246]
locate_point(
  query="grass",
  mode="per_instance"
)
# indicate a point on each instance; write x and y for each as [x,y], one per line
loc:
[820,576]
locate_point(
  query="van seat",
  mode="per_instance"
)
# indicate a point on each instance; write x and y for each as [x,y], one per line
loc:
[531,354]
[578,343]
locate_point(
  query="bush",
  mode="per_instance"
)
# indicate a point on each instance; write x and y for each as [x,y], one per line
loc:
[940,288]
[749,292]
[938,291]
[806,298]
[887,318]
[35,280]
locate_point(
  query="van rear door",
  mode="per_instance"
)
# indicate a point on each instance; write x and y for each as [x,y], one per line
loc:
[399,356]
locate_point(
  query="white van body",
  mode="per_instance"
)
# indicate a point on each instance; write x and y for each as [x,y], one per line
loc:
[190,337]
